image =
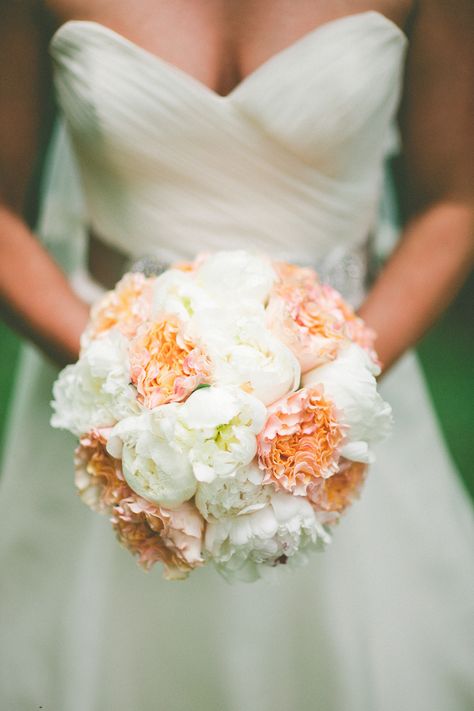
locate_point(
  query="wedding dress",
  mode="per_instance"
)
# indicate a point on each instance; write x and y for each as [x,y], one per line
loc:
[290,162]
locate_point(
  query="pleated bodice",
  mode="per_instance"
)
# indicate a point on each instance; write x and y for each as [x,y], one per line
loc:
[289,162]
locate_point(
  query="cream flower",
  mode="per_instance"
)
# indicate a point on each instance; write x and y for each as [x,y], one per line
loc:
[165,365]
[152,466]
[244,352]
[300,440]
[281,532]
[349,381]
[218,427]
[235,495]
[176,292]
[95,392]
[244,275]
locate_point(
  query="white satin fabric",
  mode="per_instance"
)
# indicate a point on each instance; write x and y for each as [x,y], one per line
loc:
[291,162]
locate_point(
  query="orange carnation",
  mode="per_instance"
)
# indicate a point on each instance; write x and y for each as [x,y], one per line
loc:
[165,365]
[300,440]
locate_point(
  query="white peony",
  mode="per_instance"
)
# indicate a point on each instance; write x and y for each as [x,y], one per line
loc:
[218,427]
[176,292]
[242,546]
[235,495]
[95,392]
[152,467]
[350,382]
[237,274]
[244,352]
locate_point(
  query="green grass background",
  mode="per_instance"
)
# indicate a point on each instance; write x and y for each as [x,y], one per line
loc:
[446,354]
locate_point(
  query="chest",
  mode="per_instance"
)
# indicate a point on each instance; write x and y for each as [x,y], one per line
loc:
[218,42]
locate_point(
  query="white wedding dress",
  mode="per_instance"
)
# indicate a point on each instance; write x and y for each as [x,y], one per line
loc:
[291,162]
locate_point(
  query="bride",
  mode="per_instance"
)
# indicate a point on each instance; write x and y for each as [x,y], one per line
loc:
[257,124]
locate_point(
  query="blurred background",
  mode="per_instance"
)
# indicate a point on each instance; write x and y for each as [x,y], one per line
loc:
[446,355]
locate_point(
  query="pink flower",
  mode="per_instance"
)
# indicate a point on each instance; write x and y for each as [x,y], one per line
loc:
[154,534]
[165,365]
[99,479]
[332,496]
[300,440]
[127,306]
[297,317]
[354,327]
[313,319]
[295,277]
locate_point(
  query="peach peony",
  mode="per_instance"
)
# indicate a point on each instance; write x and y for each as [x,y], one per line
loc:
[332,496]
[127,306]
[99,479]
[154,534]
[293,276]
[300,440]
[354,327]
[297,317]
[165,365]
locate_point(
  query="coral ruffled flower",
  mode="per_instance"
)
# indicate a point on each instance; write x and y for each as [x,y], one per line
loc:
[300,441]
[165,365]
[127,306]
[99,479]
[332,496]
[154,534]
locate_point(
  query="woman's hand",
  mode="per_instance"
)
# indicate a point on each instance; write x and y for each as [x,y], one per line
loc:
[35,295]
[437,248]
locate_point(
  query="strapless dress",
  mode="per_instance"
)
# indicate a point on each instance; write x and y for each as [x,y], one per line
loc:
[291,162]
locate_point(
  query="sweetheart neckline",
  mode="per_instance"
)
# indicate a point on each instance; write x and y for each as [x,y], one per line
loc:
[197,83]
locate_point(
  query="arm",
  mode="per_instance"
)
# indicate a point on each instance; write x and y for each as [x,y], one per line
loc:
[437,247]
[35,296]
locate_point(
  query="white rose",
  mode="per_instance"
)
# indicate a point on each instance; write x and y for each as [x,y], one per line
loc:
[95,392]
[283,530]
[176,292]
[244,352]
[238,275]
[218,428]
[349,381]
[235,495]
[152,467]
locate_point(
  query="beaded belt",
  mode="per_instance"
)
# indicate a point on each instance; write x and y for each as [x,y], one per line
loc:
[347,270]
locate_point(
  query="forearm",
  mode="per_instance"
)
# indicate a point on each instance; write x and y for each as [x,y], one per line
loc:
[35,295]
[421,278]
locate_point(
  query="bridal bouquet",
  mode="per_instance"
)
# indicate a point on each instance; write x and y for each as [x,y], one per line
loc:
[225,411]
